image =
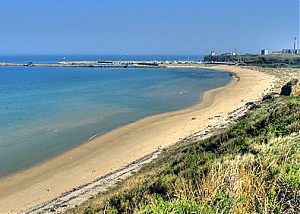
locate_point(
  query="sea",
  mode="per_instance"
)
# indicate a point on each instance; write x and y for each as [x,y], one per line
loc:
[45,111]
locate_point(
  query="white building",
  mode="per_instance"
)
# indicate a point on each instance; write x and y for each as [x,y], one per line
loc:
[264,52]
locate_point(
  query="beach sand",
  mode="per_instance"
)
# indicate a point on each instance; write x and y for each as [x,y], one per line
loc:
[126,144]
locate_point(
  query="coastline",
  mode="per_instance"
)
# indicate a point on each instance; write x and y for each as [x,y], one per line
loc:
[105,153]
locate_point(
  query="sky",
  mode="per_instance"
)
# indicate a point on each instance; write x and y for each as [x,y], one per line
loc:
[147,26]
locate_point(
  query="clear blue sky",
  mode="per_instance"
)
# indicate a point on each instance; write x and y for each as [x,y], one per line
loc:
[146,26]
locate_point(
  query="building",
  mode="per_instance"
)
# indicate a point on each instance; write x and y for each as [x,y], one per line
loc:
[290,51]
[229,54]
[213,53]
[264,52]
[295,50]
[276,52]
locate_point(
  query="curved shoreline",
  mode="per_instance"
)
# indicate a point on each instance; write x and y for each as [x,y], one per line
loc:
[84,164]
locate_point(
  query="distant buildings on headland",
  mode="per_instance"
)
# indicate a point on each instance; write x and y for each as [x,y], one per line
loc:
[213,53]
[284,58]
[295,50]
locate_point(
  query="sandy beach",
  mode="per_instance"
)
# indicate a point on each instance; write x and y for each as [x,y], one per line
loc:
[126,144]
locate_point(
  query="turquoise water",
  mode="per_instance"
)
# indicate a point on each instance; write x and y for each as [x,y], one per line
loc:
[46,111]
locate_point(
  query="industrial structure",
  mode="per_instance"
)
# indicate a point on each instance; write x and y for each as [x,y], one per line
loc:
[295,50]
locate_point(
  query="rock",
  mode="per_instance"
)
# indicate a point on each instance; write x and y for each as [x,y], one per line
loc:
[252,105]
[268,97]
[291,88]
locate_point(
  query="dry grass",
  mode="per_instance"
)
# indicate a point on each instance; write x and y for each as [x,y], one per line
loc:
[246,179]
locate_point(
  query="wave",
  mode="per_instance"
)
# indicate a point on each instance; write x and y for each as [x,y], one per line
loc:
[96,135]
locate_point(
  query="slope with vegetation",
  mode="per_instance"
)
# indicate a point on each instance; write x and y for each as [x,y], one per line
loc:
[251,167]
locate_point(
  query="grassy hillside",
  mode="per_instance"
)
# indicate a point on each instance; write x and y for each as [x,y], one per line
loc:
[251,167]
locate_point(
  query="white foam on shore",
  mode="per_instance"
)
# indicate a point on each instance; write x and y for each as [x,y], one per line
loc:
[96,135]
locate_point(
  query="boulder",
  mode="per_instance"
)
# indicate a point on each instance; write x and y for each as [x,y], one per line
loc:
[268,97]
[291,88]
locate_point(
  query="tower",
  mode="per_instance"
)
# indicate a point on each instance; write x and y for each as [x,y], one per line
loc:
[295,44]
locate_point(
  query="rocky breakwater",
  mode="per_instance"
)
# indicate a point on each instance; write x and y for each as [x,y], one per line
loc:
[95,64]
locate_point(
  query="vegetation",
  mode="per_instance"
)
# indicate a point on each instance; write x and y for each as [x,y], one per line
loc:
[251,167]
[281,60]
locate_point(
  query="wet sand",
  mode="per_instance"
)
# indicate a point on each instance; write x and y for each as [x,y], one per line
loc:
[126,144]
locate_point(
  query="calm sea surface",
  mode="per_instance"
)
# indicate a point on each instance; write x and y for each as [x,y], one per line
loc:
[47,111]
